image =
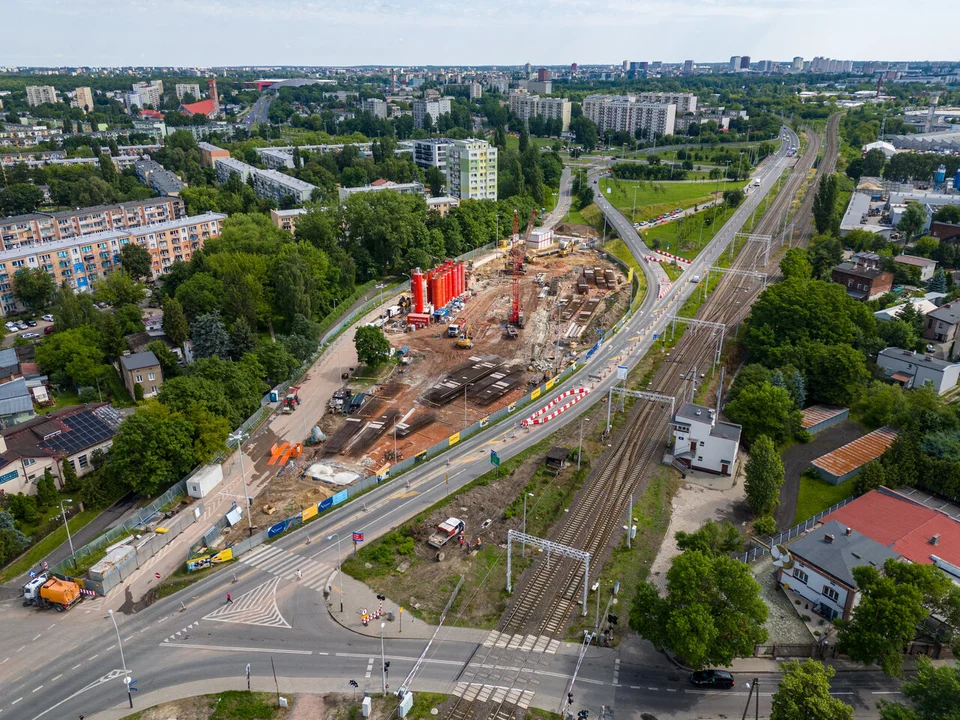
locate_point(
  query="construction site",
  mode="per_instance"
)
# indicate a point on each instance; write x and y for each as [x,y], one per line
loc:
[472,338]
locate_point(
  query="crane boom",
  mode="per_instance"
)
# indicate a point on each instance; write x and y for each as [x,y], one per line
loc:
[517,254]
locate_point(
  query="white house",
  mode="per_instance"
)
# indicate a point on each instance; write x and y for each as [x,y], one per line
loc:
[926,266]
[913,371]
[821,567]
[701,442]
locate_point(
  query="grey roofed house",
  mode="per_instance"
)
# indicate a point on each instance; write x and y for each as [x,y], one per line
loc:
[841,554]
[16,403]
[9,362]
[139,360]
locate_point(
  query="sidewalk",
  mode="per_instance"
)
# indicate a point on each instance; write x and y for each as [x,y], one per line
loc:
[358,596]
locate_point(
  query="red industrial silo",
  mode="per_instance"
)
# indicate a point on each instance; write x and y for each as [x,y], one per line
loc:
[436,290]
[462,275]
[418,286]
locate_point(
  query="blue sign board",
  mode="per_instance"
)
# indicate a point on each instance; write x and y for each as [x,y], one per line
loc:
[340,497]
[7,477]
[325,504]
[277,529]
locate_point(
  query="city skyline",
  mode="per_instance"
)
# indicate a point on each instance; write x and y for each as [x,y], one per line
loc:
[324,33]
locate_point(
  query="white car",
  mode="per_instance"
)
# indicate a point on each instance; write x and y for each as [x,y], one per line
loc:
[47,318]
[30,336]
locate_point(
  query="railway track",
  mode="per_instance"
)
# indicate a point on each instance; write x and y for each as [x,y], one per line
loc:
[547,595]
[827,165]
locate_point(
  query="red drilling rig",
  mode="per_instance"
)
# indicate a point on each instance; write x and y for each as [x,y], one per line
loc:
[517,254]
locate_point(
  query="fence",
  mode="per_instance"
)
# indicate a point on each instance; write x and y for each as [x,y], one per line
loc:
[824,650]
[786,535]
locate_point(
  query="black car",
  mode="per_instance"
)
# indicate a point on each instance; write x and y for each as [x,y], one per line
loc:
[712,678]
[32,323]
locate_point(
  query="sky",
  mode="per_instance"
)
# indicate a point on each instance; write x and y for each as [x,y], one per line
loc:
[478,32]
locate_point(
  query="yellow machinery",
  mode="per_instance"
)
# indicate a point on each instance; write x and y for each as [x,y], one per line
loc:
[465,341]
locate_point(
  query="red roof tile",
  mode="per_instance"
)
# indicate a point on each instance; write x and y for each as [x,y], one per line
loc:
[151,114]
[903,525]
[380,181]
[203,107]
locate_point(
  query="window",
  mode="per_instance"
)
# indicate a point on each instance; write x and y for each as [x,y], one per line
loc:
[830,594]
[139,378]
[153,389]
[82,460]
[151,376]
[800,575]
[700,458]
[27,462]
[701,443]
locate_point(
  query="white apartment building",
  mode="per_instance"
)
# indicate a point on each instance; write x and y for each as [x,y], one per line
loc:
[39,94]
[150,93]
[701,442]
[375,106]
[496,83]
[472,170]
[625,113]
[475,90]
[433,108]
[228,166]
[685,102]
[413,188]
[83,99]
[526,106]
[431,152]
[184,89]
[276,159]
[274,185]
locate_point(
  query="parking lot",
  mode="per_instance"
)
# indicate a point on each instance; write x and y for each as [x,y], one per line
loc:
[950,508]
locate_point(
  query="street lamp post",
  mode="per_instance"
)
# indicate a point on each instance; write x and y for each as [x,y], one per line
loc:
[596,589]
[383,661]
[380,287]
[123,663]
[238,438]
[339,568]
[63,513]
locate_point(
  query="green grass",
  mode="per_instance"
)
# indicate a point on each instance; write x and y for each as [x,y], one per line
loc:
[44,547]
[61,400]
[673,272]
[232,705]
[513,142]
[687,236]
[653,198]
[619,249]
[817,495]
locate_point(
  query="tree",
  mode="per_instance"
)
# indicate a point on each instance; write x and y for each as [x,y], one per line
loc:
[585,132]
[938,283]
[33,287]
[138,392]
[372,345]
[209,337]
[201,293]
[72,310]
[825,253]
[168,361]
[935,692]
[277,362]
[912,220]
[23,508]
[435,180]
[151,449]
[948,214]
[733,198]
[175,323]
[524,141]
[712,538]
[242,340]
[12,541]
[585,195]
[46,491]
[712,612]
[764,476]
[804,694]
[108,171]
[20,199]
[825,206]
[795,264]
[73,356]
[873,163]
[120,288]
[764,409]
[136,260]
[71,482]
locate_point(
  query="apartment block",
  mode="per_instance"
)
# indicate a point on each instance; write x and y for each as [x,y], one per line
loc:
[413,188]
[184,89]
[625,113]
[685,102]
[526,106]
[274,185]
[157,177]
[147,94]
[287,219]
[472,170]
[228,166]
[376,107]
[276,159]
[431,152]
[81,261]
[37,228]
[210,153]
[40,94]
[433,108]
[83,99]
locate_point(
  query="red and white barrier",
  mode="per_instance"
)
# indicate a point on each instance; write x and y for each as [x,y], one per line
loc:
[539,417]
[665,286]
[677,258]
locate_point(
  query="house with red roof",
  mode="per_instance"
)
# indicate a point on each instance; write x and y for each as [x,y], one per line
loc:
[207,107]
[918,533]
[151,115]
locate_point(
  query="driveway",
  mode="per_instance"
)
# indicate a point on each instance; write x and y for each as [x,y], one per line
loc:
[797,458]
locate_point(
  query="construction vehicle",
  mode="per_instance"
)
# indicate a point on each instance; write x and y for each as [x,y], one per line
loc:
[512,333]
[45,592]
[465,342]
[291,400]
[447,529]
[453,331]
[517,254]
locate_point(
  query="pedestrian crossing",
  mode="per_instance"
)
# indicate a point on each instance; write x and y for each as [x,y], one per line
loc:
[257,607]
[482,693]
[523,643]
[286,565]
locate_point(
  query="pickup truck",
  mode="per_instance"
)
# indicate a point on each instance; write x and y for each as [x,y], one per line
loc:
[445,530]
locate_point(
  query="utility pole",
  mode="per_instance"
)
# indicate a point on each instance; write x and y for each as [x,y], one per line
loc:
[580,444]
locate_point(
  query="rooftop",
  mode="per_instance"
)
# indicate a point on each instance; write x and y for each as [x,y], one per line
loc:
[203,107]
[285,180]
[903,525]
[15,397]
[948,313]
[920,262]
[859,271]
[816,414]
[87,210]
[857,453]
[139,360]
[61,432]
[837,549]
[899,354]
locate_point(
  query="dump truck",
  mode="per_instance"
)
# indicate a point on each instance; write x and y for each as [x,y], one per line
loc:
[447,529]
[44,592]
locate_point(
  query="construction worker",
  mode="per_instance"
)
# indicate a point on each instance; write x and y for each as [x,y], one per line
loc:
[479,542]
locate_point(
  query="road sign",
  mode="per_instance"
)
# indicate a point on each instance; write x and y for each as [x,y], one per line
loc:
[33,573]
[132,685]
[622,371]
[358,537]
[494,458]
[157,575]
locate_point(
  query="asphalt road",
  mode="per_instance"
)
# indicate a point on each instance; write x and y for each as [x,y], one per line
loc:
[83,676]
[258,113]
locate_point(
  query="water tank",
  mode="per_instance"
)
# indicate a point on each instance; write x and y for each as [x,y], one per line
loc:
[419,287]
[941,175]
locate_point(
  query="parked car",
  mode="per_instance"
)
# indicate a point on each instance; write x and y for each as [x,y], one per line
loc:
[12,327]
[712,678]
[31,323]
[30,336]
[21,325]
[48,329]
[678,210]
[47,318]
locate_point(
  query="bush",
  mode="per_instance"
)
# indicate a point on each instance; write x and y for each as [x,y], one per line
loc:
[765,525]
[24,508]
[802,436]
[138,392]
[88,395]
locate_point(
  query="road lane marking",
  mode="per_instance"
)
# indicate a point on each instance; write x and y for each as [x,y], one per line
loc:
[37,688]
[56,678]
[76,666]
[4,660]
[21,648]
[16,701]
[94,657]
[230,648]
[128,639]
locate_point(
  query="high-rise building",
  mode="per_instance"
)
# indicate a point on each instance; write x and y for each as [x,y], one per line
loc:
[83,99]
[433,108]
[431,152]
[543,74]
[574,67]
[626,113]
[688,67]
[685,102]
[472,170]
[375,106]
[797,64]
[526,106]
[734,63]
[745,62]
[528,68]
[475,90]
[184,89]
[147,94]
[40,94]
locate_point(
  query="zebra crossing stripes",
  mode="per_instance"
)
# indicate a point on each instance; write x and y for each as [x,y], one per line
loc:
[257,607]
[285,564]
[494,693]
[524,643]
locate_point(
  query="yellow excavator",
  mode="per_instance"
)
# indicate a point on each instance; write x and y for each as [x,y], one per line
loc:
[465,341]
